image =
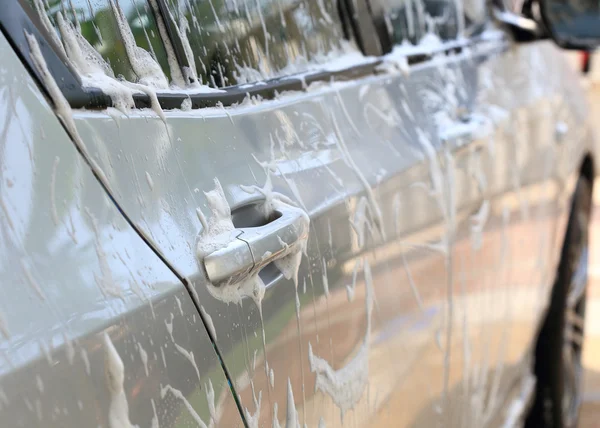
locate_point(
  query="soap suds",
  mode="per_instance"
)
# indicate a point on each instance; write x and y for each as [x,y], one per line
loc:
[183,29]
[94,71]
[61,105]
[478,221]
[40,383]
[324,278]
[350,288]
[189,355]
[174,68]
[145,67]
[518,405]
[275,423]
[118,411]
[39,7]
[154,423]
[4,327]
[169,325]
[374,207]
[179,306]
[162,355]
[144,358]
[3,398]
[83,56]
[254,419]
[289,265]
[69,349]
[105,280]
[179,395]
[6,212]
[347,385]
[291,419]
[151,93]
[209,323]
[45,349]
[217,232]
[210,398]
[134,286]
[149,181]
[186,104]
[86,361]
[290,258]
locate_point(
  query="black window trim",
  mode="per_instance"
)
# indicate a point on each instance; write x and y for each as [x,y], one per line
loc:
[18,18]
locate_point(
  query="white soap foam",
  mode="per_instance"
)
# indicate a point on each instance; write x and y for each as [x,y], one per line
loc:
[210,398]
[291,419]
[346,385]
[179,395]
[145,67]
[209,322]
[215,234]
[118,411]
[143,357]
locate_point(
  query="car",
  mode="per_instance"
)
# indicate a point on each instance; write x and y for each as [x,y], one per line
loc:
[293,213]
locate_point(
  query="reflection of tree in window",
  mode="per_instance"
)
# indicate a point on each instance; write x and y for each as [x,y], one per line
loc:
[238,41]
[97,23]
[226,42]
[411,20]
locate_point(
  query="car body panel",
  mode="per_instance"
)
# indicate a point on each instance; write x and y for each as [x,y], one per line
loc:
[429,183]
[96,329]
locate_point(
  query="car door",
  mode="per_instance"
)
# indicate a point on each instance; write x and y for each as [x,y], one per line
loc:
[510,152]
[341,221]
[286,344]
[504,125]
[352,219]
[336,155]
[95,329]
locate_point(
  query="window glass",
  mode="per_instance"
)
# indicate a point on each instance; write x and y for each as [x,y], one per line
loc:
[411,20]
[229,42]
[132,51]
[475,12]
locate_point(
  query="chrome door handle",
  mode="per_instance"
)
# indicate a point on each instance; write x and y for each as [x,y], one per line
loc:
[251,248]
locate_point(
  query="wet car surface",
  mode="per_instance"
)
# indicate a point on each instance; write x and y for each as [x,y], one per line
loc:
[213,215]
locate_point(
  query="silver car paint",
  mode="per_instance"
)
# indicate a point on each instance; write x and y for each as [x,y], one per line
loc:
[416,279]
[78,284]
[418,188]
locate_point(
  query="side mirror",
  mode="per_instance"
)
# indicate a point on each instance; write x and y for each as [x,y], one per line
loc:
[573,24]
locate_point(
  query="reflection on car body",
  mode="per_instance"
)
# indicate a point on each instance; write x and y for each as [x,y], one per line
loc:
[395,242]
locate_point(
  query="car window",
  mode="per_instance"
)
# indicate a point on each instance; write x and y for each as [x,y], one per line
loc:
[221,42]
[98,21]
[475,12]
[412,20]
[229,42]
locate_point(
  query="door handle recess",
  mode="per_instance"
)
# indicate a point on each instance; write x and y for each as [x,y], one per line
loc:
[249,249]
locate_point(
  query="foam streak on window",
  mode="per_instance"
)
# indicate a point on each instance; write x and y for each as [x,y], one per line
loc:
[123,32]
[229,42]
[411,20]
